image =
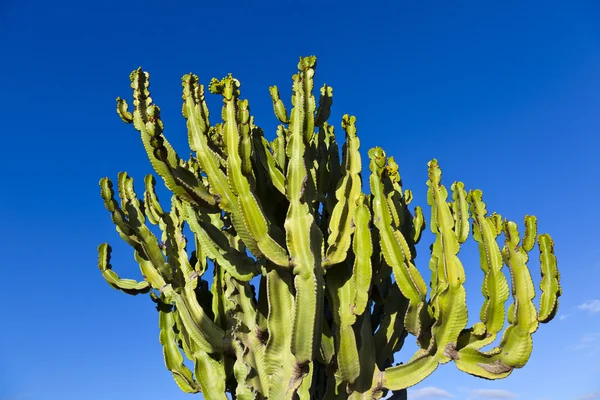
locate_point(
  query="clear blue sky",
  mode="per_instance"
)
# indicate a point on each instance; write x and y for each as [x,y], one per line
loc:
[506,96]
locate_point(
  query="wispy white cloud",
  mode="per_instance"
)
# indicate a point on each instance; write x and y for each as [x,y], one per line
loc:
[591,396]
[429,393]
[593,306]
[492,394]
[563,316]
[589,342]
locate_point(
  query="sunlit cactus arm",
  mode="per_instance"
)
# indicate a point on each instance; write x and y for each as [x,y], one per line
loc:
[146,119]
[152,207]
[341,225]
[460,211]
[304,239]
[362,247]
[494,287]
[172,355]
[406,375]
[196,113]
[128,286]
[550,283]
[240,309]
[215,245]
[398,202]
[245,126]
[279,360]
[278,146]
[393,192]
[516,345]
[278,106]
[341,289]
[135,233]
[418,224]
[209,371]
[176,244]
[449,304]
[394,247]
[269,163]
[254,219]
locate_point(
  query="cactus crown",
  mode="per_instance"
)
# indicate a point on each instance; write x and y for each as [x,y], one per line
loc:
[338,288]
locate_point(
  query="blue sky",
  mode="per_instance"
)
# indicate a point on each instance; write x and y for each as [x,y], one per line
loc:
[505,95]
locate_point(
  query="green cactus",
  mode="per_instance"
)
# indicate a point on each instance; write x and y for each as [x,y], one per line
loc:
[338,287]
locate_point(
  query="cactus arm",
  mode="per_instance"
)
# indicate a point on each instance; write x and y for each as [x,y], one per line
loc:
[341,224]
[460,211]
[245,125]
[530,232]
[152,207]
[278,106]
[418,224]
[394,247]
[449,304]
[216,247]
[362,247]
[128,286]
[173,358]
[409,374]
[164,160]
[393,192]
[494,287]
[208,371]
[550,283]
[516,345]
[279,361]
[240,310]
[325,103]
[341,287]
[269,163]
[484,365]
[522,313]
[253,217]
[245,389]
[176,244]
[195,111]
[146,251]
[206,335]
[210,375]
[278,145]
[304,239]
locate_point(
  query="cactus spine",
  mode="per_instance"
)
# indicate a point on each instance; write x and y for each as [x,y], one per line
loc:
[338,287]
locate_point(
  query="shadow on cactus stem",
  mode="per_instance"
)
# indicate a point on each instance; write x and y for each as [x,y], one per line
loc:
[338,288]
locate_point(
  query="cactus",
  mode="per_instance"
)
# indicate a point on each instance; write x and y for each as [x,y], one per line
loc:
[338,289]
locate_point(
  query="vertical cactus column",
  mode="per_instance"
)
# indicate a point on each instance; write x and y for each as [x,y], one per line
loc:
[339,290]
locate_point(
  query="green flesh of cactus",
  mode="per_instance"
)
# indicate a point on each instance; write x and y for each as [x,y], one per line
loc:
[339,289]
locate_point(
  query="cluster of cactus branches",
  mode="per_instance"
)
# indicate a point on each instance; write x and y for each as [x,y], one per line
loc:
[338,291]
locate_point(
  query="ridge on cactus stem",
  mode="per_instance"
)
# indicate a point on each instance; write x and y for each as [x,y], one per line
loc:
[339,291]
